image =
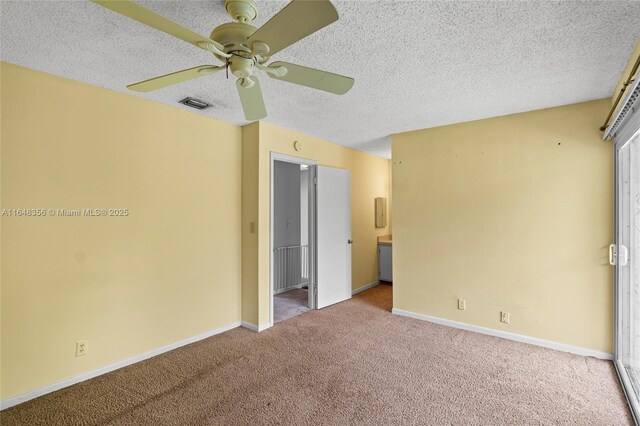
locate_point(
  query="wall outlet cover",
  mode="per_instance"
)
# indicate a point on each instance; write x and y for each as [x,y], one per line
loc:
[82,347]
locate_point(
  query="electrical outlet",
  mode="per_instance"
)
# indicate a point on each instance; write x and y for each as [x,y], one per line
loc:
[504,317]
[82,347]
[462,304]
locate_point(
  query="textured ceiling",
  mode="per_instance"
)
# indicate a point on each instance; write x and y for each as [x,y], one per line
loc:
[417,64]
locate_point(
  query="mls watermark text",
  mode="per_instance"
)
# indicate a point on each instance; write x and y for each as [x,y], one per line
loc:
[60,212]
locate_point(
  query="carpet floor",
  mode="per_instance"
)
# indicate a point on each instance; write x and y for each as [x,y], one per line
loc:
[289,304]
[351,363]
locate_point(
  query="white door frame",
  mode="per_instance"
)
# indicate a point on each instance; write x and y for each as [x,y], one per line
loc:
[276,156]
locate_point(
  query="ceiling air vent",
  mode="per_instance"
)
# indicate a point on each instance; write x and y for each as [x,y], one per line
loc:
[195,103]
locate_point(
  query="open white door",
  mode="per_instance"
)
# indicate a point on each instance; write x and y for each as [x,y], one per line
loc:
[333,205]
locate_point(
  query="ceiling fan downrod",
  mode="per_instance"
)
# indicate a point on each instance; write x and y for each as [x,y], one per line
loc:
[243,11]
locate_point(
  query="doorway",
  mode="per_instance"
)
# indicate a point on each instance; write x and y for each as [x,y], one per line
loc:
[290,236]
[310,236]
[625,255]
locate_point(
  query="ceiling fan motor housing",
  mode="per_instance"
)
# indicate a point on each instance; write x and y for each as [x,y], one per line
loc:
[233,36]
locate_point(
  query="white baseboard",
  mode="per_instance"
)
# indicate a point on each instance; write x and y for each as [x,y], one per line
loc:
[506,335]
[254,327]
[293,287]
[263,327]
[10,402]
[364,287]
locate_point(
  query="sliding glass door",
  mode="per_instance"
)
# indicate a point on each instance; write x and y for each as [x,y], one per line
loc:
[625,254]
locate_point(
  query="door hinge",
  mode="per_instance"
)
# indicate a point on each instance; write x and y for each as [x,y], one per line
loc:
[315,180]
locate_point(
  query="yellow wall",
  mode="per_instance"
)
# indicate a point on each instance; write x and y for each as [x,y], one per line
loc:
[250,151]
[390,200]
[512,214]
[168,271]
[369,179]
[184,261]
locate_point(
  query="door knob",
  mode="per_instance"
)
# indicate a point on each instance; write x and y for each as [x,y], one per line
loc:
[349,241]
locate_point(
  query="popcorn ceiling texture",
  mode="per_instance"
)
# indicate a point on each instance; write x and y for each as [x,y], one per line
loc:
[417,64]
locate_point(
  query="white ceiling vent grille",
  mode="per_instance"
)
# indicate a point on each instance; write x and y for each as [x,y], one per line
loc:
[195,103]
[628,105]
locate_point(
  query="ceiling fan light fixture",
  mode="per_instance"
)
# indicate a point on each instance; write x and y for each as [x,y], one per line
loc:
[195,103]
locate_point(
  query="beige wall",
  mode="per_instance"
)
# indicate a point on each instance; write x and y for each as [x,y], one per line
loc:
[512,214]
[185,260]
[250,152]
[369,179]
[390,200]
[168,271]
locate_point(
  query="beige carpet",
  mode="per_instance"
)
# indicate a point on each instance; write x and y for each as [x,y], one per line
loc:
[352,363]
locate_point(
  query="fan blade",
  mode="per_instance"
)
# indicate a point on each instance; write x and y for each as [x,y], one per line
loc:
[316,79]
[148,17]
[251,100]
[297,20]
[173,78]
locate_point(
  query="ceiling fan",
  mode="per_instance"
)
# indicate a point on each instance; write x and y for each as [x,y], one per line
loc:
[244,49]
